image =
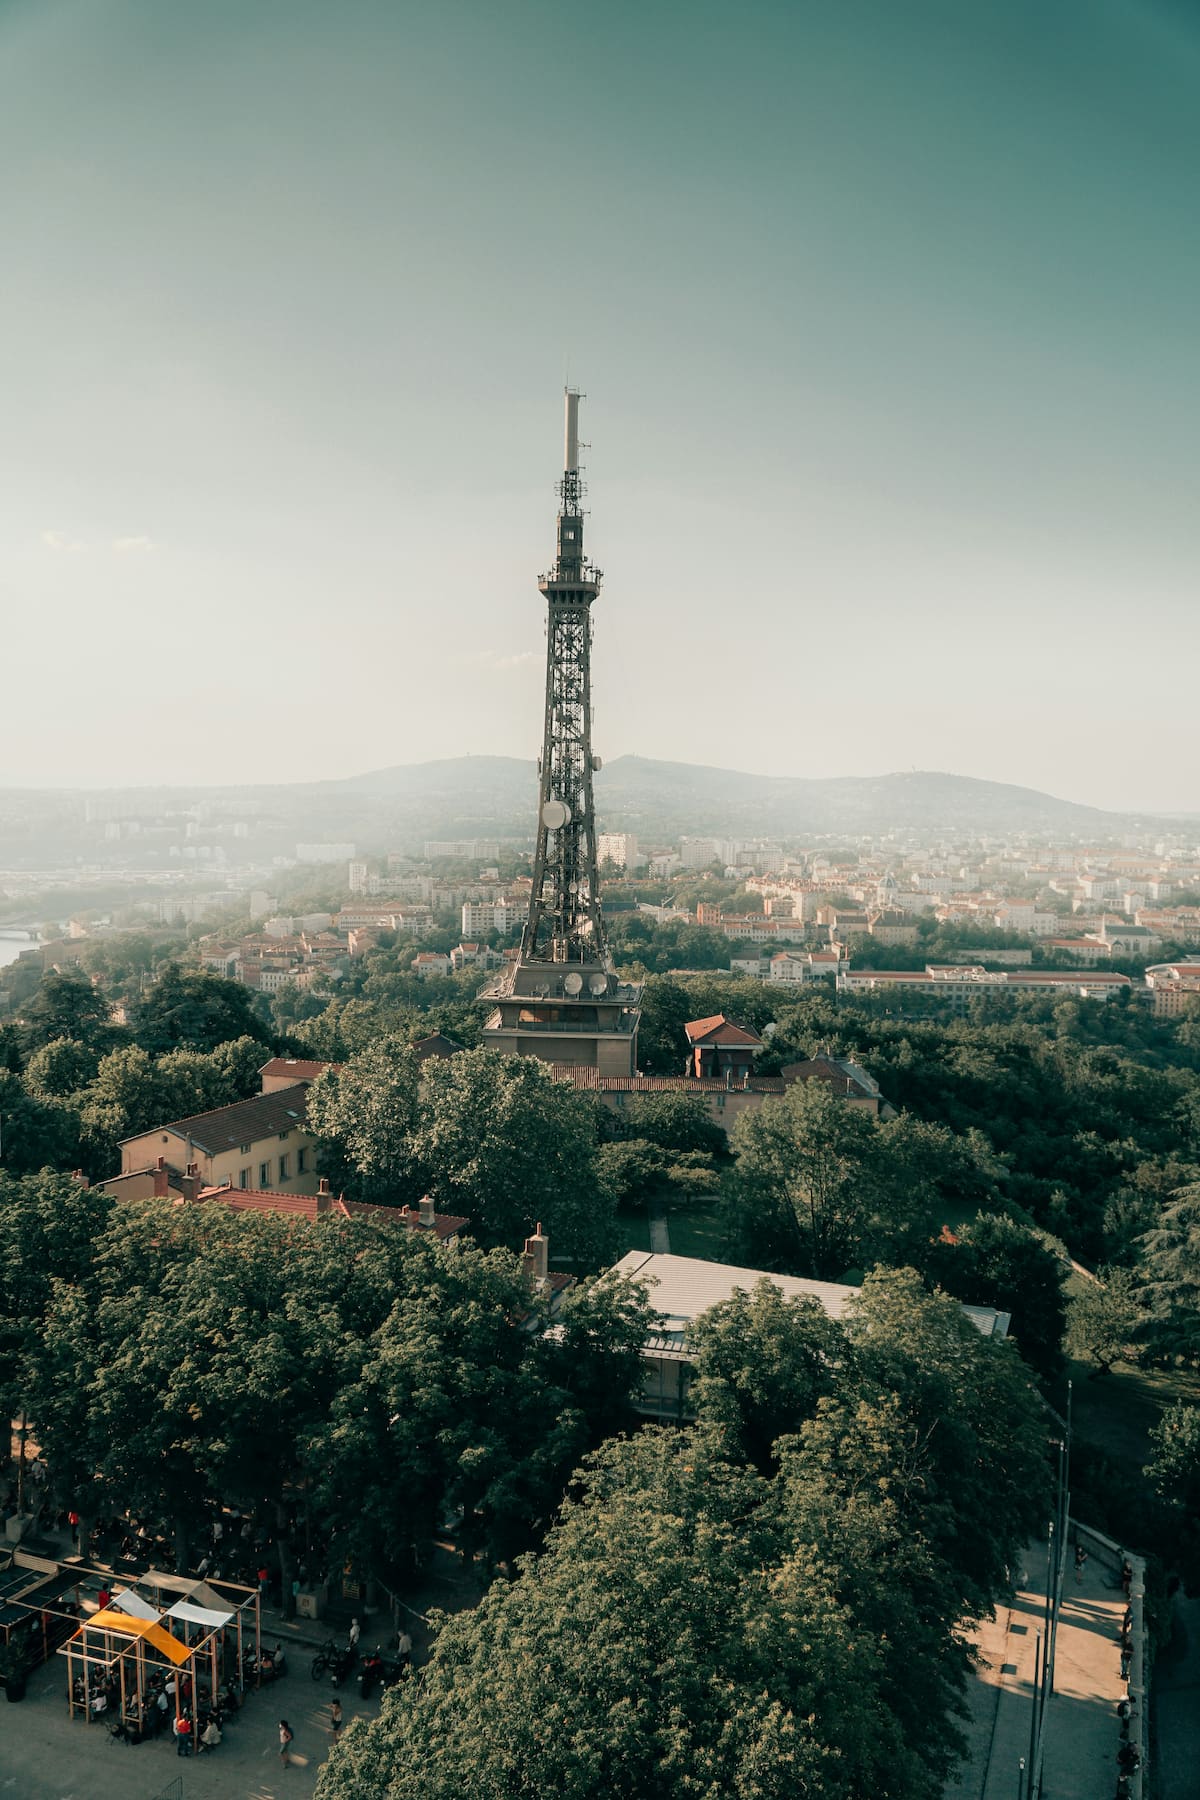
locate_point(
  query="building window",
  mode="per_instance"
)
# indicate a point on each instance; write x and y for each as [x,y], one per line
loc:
[264,1175]
[245,1149]
[284,1167]
[243,1178]
[284,1134]
[301,1161]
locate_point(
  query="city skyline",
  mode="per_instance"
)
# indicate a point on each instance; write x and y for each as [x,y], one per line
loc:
[884,322]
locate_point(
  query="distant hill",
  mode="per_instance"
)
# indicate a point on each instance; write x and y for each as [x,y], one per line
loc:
[662,799]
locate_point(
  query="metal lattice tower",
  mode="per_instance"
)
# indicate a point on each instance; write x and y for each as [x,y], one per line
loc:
[560,999]
[564,923]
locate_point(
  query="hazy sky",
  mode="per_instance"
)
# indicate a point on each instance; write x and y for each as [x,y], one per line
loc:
[886,313]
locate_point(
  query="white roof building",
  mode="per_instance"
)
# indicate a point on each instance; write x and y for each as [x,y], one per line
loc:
[680,1288]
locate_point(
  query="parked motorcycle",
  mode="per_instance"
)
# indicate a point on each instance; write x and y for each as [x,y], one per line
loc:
[380,1671]
[334,1659]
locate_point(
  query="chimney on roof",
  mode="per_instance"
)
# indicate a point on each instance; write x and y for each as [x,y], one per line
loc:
[425,1212]
[324,1197]
[190,1185]
[161,1179]
[537,1256]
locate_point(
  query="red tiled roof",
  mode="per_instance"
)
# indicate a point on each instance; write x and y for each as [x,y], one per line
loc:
[298,1068]
[824,1068]
[261,1200]
[720,1030]
[313,1206]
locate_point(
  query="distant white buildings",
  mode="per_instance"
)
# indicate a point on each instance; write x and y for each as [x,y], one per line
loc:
[462,849]
[479,917]
[619,848]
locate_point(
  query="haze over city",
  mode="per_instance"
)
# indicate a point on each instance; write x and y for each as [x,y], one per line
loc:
[884,315]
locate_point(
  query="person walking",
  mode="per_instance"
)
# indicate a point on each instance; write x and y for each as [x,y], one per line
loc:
[286,1736]
[352,1641]
[1081,1557]
[183,1735]
[335,1719]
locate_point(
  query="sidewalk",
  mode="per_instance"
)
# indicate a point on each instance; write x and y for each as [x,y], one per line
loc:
[1082,1730]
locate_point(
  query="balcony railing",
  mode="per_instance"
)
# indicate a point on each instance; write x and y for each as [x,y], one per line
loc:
[622,1024]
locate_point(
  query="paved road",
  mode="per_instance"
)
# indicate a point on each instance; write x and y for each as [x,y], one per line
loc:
[46,1756]
[1082,1734]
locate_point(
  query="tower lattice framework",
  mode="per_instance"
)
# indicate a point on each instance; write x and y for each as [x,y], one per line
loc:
[565,923]
[560,999]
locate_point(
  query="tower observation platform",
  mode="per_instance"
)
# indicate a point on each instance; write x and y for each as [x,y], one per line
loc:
[561,1001]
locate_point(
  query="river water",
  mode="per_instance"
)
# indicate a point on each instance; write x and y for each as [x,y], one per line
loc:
[11,947]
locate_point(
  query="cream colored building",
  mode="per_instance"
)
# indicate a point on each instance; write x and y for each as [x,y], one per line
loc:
[262,1143]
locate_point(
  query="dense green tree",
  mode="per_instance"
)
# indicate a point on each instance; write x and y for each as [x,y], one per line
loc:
[195,1352]
[808,1166]
[505,1144]
[48,1224]
[632,1169]
[673,1122]
[1174,1470]
[996,1261]
[365,1119]
[125,1097]
[192,1009]
[1171,1269]
[651,1654]
[975,1428]
[762,1362]
[124,959]
[35,1133]
[60,1068]
[68,1006]
[10,1049]
[851,1481]
[1104,1319]
[187,1365]
[1175,1465]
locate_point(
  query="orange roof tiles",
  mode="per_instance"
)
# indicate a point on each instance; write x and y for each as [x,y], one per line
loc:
[298,1068]
[720,1030]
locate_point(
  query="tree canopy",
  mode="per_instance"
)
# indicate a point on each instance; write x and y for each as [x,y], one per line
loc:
[697,1628]
[192,1009]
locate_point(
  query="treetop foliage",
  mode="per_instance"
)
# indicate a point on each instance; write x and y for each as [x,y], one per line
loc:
[696,1626]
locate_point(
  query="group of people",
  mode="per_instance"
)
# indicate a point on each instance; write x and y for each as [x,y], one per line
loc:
[189,1739]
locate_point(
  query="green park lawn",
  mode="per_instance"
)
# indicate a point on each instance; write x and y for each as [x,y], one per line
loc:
[699,1230]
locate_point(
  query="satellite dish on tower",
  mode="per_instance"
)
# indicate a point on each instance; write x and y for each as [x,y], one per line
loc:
[598,984]
[555,814]
[574,982]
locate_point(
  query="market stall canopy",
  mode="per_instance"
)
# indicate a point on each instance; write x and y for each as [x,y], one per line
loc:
[198,1592]
[124,1600]
[198,1615]
[125,1625]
